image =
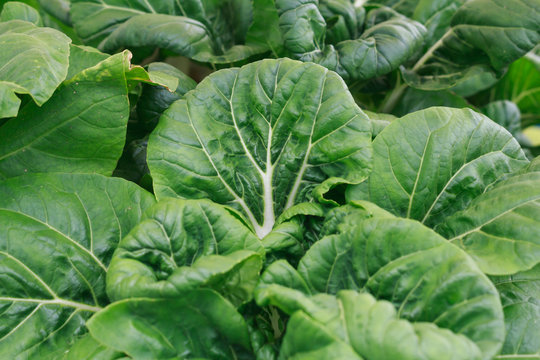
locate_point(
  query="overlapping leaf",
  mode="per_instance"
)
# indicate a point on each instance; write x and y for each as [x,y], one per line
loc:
[424,278]
[260,139]
[366,49]
[183,245]
[432,163]
[500,228]
[206,31]
[200,324]
[484,37]
[34,61]
[58,235]
[80,129]
[445,179]
[520,296]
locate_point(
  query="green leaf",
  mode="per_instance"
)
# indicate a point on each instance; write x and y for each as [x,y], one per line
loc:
[19,11]
[379,121]
[424,278]
[182,245]
[59,9]
[30,53]
[88,348]
[207,31]
[264,30]
[200,324]
[451,155]
[435,15]
[361,327]
[154,100]
[485,36]
[82,128]
[521,85]
[58,235]
[260,139]
[83,57]
[500,229]
[504,113]
[520,296]
[414,100]
[388,40]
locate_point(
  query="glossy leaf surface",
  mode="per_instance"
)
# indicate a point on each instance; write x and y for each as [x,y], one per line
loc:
[200,324]
[434,162]
[425,278]
[183,245]
[58,235]
[260,139]
[30,53]
[80,129]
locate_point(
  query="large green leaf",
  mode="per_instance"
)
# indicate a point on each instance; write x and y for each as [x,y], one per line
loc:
[34,61]
[500,229]
[198,325]
[434,162]
[388,39]
[485,36]
[57,236]
[521,85]
[424,277]
[182,245]
[260,139]
[82,128]
[356,326]
[520,296]
[206,31]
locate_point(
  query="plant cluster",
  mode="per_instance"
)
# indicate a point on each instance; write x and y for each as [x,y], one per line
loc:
[269,179]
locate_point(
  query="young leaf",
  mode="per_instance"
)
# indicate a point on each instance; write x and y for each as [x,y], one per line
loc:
[58,235]
[260,139]
[183,245]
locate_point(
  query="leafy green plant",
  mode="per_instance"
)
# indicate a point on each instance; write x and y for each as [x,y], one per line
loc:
[276,179]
